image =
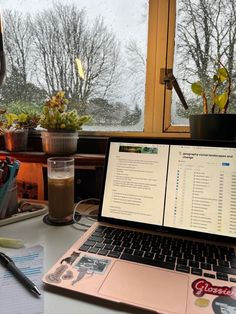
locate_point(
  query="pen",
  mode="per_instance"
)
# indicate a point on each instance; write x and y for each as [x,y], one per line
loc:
[10,265]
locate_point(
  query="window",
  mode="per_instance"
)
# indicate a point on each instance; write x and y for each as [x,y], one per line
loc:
[93,50]
[205,38]
[123,47]
[161,43]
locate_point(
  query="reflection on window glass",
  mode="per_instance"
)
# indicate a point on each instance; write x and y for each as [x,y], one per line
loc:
[205,39]
[94,50]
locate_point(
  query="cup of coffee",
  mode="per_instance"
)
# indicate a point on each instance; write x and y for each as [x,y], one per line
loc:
[60,189]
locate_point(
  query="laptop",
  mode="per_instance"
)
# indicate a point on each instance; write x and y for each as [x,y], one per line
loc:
[165,236]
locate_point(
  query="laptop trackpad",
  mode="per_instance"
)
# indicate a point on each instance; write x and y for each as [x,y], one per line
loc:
[146,287]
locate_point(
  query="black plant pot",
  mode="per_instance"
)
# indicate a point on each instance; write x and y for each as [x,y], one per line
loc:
[213,126]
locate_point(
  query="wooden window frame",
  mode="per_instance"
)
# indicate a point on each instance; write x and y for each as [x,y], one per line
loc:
[160,54]
[157,113]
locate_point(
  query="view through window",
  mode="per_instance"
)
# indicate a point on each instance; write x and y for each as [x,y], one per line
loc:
[205,36]
[46,41]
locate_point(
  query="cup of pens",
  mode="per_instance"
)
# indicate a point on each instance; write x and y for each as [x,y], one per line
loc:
[8,188]
[60,190]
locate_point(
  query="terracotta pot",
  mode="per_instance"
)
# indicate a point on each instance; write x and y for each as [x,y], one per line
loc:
[213,126]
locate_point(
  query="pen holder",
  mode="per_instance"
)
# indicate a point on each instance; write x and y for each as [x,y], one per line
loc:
[10,201]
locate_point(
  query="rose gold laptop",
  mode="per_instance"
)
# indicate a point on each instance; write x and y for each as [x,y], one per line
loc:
[165,236]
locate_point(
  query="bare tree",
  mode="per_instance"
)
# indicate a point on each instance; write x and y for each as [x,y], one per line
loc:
[42,50]
[206,34]
[62,34]
[18,43]
[136,65]
[136,70]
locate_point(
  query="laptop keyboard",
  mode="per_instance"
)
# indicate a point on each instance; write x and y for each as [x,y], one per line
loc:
[170,253]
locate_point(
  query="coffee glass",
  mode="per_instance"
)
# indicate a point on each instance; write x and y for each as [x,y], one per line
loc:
[60,189]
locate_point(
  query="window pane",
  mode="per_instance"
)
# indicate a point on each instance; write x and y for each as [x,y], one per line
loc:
[45,41]
[205,34]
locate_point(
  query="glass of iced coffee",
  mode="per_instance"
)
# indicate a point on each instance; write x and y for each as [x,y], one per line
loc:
[60,189]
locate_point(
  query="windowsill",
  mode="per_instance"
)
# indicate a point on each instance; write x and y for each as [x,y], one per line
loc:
[91,151]
[40,157]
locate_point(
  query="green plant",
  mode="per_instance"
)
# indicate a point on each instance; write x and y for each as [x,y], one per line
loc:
[13,122]
[56,116]
[218,91]
[29,108]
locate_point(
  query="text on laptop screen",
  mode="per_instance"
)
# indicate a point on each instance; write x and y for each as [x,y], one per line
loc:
[187,187]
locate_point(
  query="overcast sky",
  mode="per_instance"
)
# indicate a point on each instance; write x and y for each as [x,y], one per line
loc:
[124,17]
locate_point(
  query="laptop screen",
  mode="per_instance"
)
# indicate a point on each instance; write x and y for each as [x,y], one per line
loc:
[177,185]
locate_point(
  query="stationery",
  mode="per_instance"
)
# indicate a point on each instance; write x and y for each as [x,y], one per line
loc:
[7,262]
[8,172]
[11,243]
[30,262]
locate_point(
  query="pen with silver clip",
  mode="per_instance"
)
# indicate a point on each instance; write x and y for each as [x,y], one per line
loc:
[10,265]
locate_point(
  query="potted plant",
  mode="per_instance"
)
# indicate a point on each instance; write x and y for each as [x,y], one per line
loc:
[215,123]
[62,126]
[15,128]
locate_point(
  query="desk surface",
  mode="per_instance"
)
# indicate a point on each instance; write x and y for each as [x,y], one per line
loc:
[56,240]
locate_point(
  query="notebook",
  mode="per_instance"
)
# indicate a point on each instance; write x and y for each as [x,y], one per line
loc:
[165,236]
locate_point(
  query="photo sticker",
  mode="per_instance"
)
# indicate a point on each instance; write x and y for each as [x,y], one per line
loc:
[224,305]
[94,265]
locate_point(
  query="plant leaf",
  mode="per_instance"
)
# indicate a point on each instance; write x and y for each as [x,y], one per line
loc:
[215,78]
[10,117]
[222,75]
[221,100]
[22,117]
[197,88]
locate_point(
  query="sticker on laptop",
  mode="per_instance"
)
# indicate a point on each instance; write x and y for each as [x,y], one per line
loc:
[201,287]
[202,302]
[224,305]
[62,272]
[56,276]
[87,266]
[71,259]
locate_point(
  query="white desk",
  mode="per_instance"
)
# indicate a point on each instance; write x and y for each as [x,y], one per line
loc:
[56,240]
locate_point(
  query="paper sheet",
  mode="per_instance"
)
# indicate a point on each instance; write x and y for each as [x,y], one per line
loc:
[14,297]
